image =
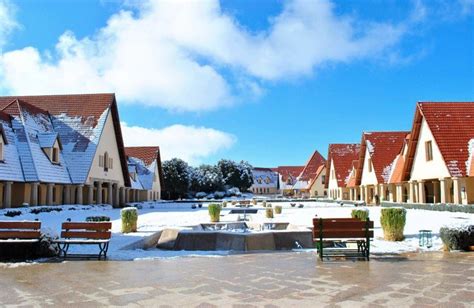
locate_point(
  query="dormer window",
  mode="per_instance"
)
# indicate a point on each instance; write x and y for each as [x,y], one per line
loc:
[51,146]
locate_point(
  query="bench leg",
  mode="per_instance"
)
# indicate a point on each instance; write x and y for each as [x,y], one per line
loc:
[63,248]
[103,250]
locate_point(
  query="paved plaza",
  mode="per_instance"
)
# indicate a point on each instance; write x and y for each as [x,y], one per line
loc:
[245,280]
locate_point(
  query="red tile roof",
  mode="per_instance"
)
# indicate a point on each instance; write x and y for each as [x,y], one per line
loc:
[74,105]
[287,171]
[342,156]
[310,170]
[452,126]
[383,148]
[146,154]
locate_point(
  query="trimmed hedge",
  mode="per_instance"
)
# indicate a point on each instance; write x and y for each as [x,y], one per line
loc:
[433,207]
[278,209]
[129,216]
[393,223]
[362,214]
[214,212]
[460,238]
[97,218]
[269,212]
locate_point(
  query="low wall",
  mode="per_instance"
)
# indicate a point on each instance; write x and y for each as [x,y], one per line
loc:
[432,207]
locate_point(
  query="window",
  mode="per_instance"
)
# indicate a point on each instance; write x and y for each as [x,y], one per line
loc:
[106,162]
[1,149]
[333,173]
[55,155]
[429,150]
[323,179]
[369,162]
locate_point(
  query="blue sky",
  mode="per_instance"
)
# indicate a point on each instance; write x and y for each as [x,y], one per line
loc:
[263,81]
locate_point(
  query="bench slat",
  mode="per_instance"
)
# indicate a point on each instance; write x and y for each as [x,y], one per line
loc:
[353,225]
[20,234]
[85,234]
[34,225]
[97,226]
[344,234]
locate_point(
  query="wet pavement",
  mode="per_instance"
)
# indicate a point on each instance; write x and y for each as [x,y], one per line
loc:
[245,280]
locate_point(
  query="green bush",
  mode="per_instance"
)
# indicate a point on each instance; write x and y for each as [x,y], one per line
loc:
[393,222]
[254,201]
[362,214]
[215,212]
[269,212]
[434,207]
[269,205]
[264,203]
[460,238]
[129,217]
[224,203]
[278,209]
[97,218]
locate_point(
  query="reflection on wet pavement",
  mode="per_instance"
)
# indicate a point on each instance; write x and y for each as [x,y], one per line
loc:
[272,279]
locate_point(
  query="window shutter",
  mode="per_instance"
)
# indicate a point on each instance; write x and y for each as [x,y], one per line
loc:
[111,163]
[101,161]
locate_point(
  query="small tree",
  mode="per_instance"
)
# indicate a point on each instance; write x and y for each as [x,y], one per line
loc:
[175,178]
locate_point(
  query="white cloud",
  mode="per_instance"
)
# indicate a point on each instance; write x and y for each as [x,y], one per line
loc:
[189,143]
[192,56]
[7,21]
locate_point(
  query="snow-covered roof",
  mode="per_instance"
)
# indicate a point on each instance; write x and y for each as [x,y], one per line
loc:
[10,168]
[264,178]
[76,121]
[144,174]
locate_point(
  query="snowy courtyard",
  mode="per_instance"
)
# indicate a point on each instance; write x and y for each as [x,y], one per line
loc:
[155,216]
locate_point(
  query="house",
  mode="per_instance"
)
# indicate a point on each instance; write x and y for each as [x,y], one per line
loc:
[287,178]
[438,166]
[313,172]
[339,163]
[316,186]
[378,153]
[146,173]
[265,181]
[62,149]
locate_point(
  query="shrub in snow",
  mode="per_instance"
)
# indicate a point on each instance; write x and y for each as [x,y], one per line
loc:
[201,195]
[193,206]
[234,202]
[129,217]
[254,201]
[264,203]
[362,214]
[200,205]
[393,223]
[293,204]
[219,194]
[301,206]
[97,218]
[234,191]
[269,205]
[457,238]
[12,213]
[39,210]
[278,209]
[214,212]
[224,203]
[269,213]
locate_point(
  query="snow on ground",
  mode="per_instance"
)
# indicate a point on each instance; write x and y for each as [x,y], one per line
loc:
[156,216]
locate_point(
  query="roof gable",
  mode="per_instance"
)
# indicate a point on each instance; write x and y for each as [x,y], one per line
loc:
[452,127]
[148,155]
[342,156]
[383,148]
[311,168]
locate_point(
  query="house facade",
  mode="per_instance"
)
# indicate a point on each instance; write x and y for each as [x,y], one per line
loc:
[62,149]
[265,181]
[317,184]
[438,165]
[339,165]
[287,178]
[309,181]
[377,159]
[146,173]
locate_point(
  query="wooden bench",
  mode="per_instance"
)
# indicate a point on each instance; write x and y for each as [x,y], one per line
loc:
[20,231]
[85,233]
[348,230]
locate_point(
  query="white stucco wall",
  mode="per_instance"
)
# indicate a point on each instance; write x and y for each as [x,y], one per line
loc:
[107,143]
[318,186]
[332,180]
[156,183]
[422,169]
[368,178]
